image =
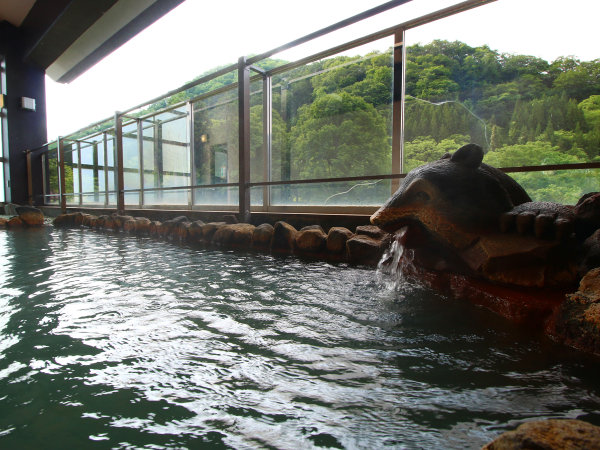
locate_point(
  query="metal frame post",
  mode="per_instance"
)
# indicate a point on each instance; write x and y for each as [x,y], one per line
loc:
[29,179]
[61,174]
[80,181]
[140,143]
[190,125]
[106,194]
[244,139]
[119,162]
[267,138]
[398,107]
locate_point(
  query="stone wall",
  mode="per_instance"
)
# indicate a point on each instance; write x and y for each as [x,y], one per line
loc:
[365,245]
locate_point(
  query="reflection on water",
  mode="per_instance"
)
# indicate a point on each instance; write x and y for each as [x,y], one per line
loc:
[112,341]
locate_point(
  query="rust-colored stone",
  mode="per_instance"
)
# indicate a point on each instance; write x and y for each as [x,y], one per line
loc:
[549,434]
[32,217]
[284,238]
[311,240]
[262,235]
[577,321]
[3,222]
[209,229]
[336,239]
[367,250]
[195,231]
[14,222]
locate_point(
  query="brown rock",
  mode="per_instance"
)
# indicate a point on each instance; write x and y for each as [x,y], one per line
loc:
[119,221]
[284,238]
[195,231]
[142,225]
[311,240]
[101,222]
[364,249]
[371,231]
[209,230]
[129,226]
[238,235]
[549,434]
[77,218]
[262,235]
[63,220]
[242,235]
[520,260]
[336,239]
[181,230]
[89,220]
[14,222]
[109,223]
[3,222]
[222,235]
[32,217]
[577,321]
[154,228]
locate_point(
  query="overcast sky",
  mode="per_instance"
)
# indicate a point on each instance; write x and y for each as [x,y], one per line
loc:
[199,35]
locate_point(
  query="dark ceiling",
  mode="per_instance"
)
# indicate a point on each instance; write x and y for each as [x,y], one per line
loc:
[67,37]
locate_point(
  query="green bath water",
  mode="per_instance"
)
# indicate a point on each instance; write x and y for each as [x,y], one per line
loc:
[112,341]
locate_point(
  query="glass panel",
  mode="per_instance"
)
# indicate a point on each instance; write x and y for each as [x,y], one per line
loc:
[523,102]
[110,158]
[51,167]
[216,139]
[561,186]
[217,196]
[92,199]
[131,157]
[71,174]
[257,151]
[257,196]
[332,118]
[52,200]
[168,197]
[356,193]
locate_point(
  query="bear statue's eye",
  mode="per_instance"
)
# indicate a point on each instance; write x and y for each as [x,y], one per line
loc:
[422,196]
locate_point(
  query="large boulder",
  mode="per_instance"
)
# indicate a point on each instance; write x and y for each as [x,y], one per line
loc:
[548,435]
[31,217]
[195,231]
[209,229]
[238,235]
[284,238]
[337,238]
[577,321]
[311,240]
[262,235]
[363,249]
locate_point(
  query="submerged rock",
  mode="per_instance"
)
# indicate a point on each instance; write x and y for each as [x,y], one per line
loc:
[549,434]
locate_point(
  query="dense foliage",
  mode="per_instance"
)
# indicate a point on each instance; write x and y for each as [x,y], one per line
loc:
[332,118]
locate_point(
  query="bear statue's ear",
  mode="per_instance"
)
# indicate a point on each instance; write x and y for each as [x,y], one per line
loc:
[469,155]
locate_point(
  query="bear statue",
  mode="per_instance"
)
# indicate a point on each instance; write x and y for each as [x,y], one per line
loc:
[464,216]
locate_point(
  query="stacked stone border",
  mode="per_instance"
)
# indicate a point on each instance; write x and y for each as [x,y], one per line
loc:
[364,246]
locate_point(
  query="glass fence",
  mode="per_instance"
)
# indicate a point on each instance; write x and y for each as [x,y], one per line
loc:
[339,129]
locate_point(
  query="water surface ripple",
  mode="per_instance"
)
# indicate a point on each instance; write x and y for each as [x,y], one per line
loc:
[110,341]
